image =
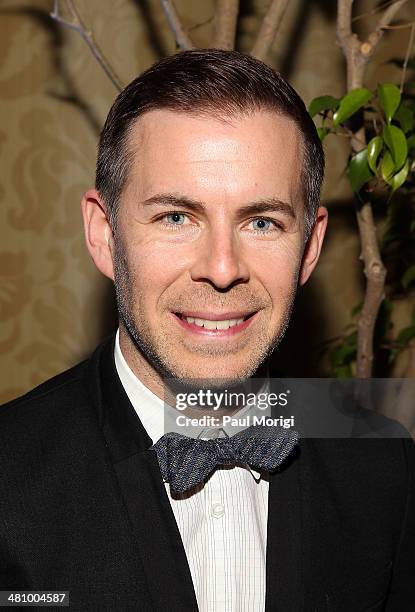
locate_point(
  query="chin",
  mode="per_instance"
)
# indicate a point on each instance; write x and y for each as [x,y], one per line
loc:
[216,375]
[194,384]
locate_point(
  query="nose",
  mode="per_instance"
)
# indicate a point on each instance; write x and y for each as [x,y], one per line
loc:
[219,259]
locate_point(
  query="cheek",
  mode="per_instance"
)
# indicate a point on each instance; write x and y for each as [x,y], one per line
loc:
[278,262]
[153,272]
[278,275]
[281,288]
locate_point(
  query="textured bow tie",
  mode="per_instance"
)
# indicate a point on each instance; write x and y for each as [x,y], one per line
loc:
[185,462]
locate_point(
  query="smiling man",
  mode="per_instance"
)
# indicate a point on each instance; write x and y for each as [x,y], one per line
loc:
[206,216]
[207,248]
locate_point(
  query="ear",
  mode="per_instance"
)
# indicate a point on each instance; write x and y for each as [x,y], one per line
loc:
[98,232]
[313,247]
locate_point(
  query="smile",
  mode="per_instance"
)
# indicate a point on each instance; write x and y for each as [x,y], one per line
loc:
[214,325]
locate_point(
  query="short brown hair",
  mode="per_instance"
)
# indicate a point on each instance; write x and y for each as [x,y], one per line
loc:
[205,81]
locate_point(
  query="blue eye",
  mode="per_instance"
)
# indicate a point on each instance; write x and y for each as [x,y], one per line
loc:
[175,218]
[263,224]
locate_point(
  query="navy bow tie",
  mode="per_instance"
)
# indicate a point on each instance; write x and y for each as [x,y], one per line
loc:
[185,462]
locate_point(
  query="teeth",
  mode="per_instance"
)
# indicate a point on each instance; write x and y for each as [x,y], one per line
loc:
[226,324]
[223,324]
[211,325]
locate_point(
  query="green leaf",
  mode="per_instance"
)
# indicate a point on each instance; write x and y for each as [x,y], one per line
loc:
[400,177]
[343,371]
[322,103]
[358,171]
[392,356]
[387,167]
[357,309]
[383,322]
[411,142]
[402,340]
[345,352]
[395,140]
[409,277]
[390,236]
[374,148]
[351,103]
[405,335]
[405,116]
[322,132]
[390,98]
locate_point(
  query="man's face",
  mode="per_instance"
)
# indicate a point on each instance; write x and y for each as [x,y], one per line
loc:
[209,241]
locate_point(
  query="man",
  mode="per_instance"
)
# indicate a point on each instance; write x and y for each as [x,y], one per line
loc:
[206,215]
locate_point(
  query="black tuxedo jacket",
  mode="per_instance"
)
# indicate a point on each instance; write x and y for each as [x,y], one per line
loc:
[83,508]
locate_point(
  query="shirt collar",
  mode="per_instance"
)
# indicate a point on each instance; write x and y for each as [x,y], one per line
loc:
[151,409]
[147,405]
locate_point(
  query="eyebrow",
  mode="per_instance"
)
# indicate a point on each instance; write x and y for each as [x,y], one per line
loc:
[258,207]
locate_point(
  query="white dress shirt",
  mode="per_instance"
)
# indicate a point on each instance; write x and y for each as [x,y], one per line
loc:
[223,524]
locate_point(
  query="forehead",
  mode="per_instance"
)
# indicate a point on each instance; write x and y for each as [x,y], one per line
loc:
[232,155]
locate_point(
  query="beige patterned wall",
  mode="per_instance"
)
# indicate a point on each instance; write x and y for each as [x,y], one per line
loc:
[54,305]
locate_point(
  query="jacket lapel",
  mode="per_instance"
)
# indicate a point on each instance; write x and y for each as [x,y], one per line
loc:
[152,522]
[150,515]
[284,562]
[284,581]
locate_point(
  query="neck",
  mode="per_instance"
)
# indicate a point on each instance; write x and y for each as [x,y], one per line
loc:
[139,365]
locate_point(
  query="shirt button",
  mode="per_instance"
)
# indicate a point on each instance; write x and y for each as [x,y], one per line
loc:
[218,510]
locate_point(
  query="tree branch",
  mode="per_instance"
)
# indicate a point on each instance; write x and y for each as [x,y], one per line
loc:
[370,45]
[358,54]
[377,9]
[269,28]
[77,25]
[182,38]
[375,273]
[390,13]
[225,22]
[344,24]
[349,43]
[407,56]
[401,26]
